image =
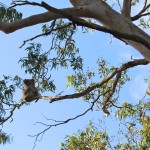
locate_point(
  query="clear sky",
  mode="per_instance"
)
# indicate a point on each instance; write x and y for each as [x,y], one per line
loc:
[92,45]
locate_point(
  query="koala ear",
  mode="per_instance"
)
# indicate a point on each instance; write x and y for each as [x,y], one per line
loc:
[33,81]
[25,80]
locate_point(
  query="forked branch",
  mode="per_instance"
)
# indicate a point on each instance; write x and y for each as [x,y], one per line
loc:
[118,71]
[142,12]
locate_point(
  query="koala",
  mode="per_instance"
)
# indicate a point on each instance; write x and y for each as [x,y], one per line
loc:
[29,92]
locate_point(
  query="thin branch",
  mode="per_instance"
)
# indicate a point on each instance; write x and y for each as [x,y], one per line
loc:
[45,34]
[12,112]
[111,92]
[139,16]
[21,3]
[124,67]
[119,3]
[58,123]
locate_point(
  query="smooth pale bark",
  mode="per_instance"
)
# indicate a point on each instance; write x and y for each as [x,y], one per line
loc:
[96,9]
[126,9]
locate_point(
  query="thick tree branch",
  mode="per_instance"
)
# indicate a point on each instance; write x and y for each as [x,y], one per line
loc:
[95,10]
[30,21]
[82,22]
[126,9]
[36,19]
[124,67]
[115,22]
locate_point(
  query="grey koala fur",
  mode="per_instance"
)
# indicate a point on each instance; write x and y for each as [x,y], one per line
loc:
[29,92]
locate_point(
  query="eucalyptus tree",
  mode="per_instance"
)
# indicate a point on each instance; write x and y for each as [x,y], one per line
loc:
[61,25]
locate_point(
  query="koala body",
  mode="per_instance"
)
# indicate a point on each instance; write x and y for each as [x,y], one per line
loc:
[29,92]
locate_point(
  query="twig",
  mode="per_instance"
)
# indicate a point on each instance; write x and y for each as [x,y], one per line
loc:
[58,123]
[21,3]
[44,34]
[12,112]
[110,94]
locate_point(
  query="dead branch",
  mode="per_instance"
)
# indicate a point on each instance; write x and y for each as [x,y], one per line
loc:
[39,136]
[21,3]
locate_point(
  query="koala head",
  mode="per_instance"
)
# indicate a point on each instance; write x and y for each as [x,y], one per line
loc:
[29,82]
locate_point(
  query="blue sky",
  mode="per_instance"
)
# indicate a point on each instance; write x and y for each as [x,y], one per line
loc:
[94,45]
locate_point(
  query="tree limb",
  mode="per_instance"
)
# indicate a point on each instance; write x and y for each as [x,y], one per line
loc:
[14,106]
[141,13]
[35,19]
[115,24]
[110,93]
[124,67]
[82,22]
[58,123]
[45,34]
[126,9]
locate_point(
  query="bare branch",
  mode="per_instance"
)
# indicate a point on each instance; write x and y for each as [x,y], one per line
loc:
[14,106]
[45,34]
[21,3]
[11,114]
[58,123]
